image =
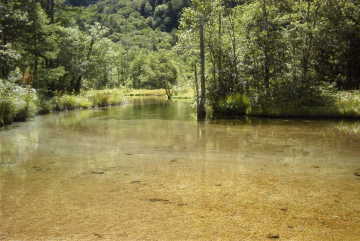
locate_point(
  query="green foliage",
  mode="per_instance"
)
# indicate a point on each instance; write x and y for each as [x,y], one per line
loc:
[16,103]
[154,71]
[237,104]
[7,111]
[287,56]
[70,102]
[163,14]
[66,47]
[284,56]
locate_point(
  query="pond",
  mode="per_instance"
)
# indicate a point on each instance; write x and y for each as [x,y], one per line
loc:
[149,171]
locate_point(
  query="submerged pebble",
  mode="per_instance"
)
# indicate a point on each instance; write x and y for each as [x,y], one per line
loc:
[135,182]
[98,172]
[98,235]
[273,236]
[158,200]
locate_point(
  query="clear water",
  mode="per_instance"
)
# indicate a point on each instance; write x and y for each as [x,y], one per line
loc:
[149,171]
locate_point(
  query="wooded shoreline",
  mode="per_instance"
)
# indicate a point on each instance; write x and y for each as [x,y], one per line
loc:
[347,105]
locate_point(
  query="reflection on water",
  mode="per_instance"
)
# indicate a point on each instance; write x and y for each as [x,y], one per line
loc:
[148,170]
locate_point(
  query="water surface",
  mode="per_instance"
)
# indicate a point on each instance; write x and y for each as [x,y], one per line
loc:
[149,171]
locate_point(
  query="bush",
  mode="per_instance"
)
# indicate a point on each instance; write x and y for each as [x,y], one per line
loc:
[16,103]
[7,111]
[70,102]
[100,99]
[234,104]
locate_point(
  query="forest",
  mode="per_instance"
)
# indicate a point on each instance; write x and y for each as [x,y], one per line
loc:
[180,120]
[255,57]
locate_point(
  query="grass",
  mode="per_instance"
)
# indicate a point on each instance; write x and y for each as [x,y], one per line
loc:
[19,107]
[143,92]
[99,98]
[346,105]
[184,93]
[22,104]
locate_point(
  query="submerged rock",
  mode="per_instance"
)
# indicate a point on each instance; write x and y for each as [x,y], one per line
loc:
[98,172]
[158,200]
[135,182]
[273,236]
[357,174]
[98,235]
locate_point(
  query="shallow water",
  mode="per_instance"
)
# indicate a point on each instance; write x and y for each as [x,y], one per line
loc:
[149,171]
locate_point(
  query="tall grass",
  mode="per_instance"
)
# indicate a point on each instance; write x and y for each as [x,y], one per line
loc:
[144,92]
[18,104]
[342,104]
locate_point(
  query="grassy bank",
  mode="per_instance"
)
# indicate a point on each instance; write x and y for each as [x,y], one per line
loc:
[343,105]
[20,104]
[94,98]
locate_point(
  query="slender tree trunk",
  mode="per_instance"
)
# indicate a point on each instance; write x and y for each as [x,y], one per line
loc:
[35,72]
[201,111]
[266,48]
[196,85]
[220,71]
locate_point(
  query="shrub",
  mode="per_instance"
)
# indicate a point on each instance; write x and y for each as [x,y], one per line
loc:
[7,111]
[234,104]
[70,102]
[100,99]
[16,103]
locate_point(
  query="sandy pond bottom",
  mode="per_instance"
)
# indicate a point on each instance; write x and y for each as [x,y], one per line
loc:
[149,172]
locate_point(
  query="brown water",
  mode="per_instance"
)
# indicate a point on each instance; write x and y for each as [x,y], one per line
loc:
[148,171]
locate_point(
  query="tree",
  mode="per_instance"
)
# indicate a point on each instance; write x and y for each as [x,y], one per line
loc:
[194,21]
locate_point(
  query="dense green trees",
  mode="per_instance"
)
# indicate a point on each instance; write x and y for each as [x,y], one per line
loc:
[59,46]
[277,52]
[272,53]
[154,71]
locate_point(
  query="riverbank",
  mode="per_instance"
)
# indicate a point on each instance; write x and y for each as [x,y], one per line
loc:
[19,107]
[341,105]
[344,104]
[25,103]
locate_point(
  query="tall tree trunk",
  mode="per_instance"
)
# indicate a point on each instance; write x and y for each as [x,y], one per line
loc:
[266,48]
[220,52]
[196,85]
[201,111]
